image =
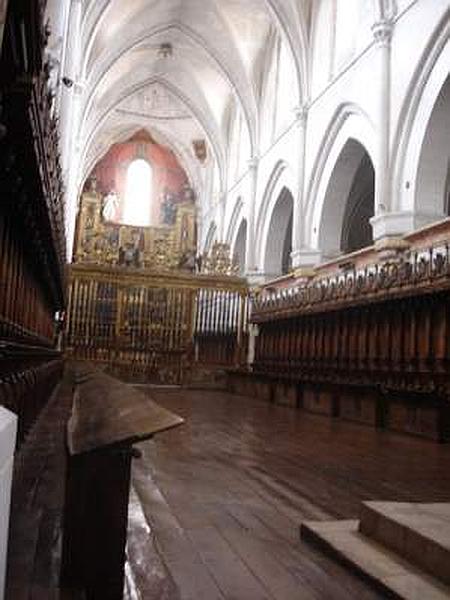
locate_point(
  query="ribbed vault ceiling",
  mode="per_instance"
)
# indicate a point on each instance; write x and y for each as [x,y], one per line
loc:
[213,63]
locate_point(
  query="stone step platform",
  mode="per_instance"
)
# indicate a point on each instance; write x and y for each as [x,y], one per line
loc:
[420,533]
[379,559]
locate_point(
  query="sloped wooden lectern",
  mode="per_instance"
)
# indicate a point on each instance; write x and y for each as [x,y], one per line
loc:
[108,417]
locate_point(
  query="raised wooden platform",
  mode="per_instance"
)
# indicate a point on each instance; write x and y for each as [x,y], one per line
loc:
[402,548]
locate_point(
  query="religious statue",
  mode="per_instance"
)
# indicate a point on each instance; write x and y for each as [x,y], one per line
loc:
[111,204]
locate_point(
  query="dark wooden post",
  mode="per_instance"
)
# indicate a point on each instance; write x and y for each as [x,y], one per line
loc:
[108,417]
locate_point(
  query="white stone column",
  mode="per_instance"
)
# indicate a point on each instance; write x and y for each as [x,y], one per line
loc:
[382,32]
[64,37]
[303,258]
[250,250]
[297,217]
[70,75]
[70,175]
[253,332]
[221,233]
[8,430]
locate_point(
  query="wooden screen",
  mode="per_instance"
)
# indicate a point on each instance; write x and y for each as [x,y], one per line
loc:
[154,328]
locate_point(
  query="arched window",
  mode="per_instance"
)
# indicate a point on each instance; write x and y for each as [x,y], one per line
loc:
[138,192]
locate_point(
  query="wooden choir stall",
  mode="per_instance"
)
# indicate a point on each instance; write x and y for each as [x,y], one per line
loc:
[365,339]
[32,239]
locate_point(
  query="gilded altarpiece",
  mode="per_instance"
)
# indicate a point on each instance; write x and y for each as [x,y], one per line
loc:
[103,242]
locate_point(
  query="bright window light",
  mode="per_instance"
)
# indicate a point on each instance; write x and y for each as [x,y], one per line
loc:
[138,194]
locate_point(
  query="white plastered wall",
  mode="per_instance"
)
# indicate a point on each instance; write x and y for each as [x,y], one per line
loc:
[344,105]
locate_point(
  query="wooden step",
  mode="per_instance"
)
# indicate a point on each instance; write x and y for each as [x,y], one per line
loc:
[392,575]
[420,533]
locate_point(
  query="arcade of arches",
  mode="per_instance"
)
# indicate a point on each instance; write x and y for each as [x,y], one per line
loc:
[230,219]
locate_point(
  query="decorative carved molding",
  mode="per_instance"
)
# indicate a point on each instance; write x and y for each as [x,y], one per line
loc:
[410,274]
[219,261]
[382,32]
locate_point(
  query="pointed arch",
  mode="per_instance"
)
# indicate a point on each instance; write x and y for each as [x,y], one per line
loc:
[238,245]
[348,122]
[236,216]
[424,89]
[278,242]
[211,237]
[282,176]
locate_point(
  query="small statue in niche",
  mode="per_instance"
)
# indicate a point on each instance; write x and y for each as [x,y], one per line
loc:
[112,236]
[130,251]
[188,194]
[91,185]
[90,217]
[87,245]
[110,208]
[198,263]
[137,239]
[168,208]
[188,261]
[129,256]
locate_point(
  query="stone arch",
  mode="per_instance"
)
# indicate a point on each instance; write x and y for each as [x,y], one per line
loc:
[234,220]
[281,177]
[239,244]
[211,237]
[356,229]
[349,124]
[420,146]
[278,243]
[434,159]
[348,203]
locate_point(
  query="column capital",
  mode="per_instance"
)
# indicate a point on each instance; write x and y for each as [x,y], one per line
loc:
[253,163]
[301,113]
[382,32]
[397,224]
[78,87]
[305,258]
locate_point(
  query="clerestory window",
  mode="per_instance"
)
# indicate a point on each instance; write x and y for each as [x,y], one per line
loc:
[138,193]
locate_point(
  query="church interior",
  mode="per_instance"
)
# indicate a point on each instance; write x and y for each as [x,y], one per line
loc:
[224,299]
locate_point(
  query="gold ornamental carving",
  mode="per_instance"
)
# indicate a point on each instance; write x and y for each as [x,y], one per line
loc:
[166,247]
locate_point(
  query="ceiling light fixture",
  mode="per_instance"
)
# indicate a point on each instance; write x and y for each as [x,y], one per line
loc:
[165,50]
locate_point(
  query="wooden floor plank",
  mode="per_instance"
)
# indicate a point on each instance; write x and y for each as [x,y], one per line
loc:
[240,476]
[223,498]
[230,572]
